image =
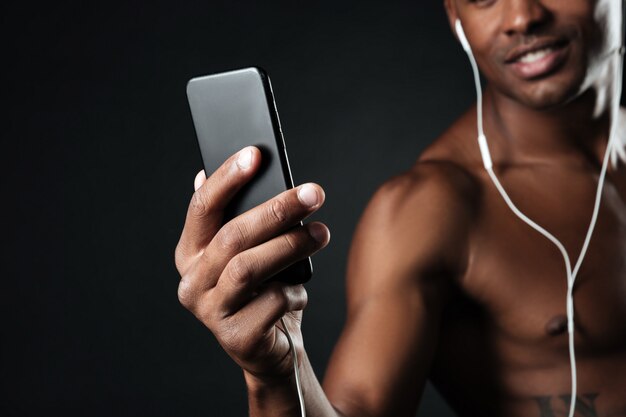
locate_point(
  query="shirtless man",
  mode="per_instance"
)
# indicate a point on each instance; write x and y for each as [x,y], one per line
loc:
[443,281]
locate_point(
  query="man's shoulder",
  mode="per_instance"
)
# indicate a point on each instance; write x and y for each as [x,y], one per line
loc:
[429,187]
[420,220]
[433,196]
[436,201]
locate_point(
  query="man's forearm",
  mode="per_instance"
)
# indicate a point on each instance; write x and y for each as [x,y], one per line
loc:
[280,398]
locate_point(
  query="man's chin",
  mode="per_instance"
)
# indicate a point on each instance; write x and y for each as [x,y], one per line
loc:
[548,102]
[546,94]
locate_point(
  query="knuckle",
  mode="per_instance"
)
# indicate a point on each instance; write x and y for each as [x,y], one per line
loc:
[241,271]
[230,238]
[278,211]
[187,294]
[290,241]
[199,205]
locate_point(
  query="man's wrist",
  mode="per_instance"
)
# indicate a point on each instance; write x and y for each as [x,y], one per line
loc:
[272,396]
[261,385]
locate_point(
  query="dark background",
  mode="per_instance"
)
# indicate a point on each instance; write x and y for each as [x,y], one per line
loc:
[99,157]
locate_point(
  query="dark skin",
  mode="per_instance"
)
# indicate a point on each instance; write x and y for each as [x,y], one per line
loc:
[443,281]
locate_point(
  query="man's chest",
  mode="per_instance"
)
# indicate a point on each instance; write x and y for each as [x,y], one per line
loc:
[519,277]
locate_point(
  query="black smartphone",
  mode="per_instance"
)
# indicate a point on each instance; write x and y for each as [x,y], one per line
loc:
[235,109]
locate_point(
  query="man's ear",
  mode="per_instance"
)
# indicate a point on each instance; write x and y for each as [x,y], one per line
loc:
[452,14]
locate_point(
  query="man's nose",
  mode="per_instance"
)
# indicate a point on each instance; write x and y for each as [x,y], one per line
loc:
[523,16]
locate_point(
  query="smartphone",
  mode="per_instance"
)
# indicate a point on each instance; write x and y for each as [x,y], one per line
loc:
[235,109]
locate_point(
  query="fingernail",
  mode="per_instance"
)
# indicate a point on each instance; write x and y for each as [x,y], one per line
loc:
[317,232]
[245,158]
[307,195]
[199,180]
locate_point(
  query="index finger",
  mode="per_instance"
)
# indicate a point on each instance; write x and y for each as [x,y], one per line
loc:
[206,209]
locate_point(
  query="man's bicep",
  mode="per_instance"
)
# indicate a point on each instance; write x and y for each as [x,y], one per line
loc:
[380,365]
[403,254]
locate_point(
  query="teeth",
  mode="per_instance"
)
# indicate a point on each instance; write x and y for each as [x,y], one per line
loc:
[535,55]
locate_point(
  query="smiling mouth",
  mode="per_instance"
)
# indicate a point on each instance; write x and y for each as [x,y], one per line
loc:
[539,62]
[535,56]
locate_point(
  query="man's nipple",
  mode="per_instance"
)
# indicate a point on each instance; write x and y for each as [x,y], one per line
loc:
[557,325]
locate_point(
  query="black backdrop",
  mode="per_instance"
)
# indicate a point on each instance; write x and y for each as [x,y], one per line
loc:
[99,157]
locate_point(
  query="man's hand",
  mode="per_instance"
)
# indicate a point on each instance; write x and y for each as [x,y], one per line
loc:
[224,268]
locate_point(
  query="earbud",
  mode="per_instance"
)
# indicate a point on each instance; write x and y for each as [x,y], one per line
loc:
[461,35]
[482,139]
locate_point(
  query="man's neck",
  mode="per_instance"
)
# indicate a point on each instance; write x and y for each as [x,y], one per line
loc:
[577,131]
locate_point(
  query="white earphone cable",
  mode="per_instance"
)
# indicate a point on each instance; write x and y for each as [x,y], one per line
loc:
[486,156]
[296,368]
[487,161]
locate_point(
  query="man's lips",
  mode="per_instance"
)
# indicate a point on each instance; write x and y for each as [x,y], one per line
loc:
[521,50]
[537,59]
